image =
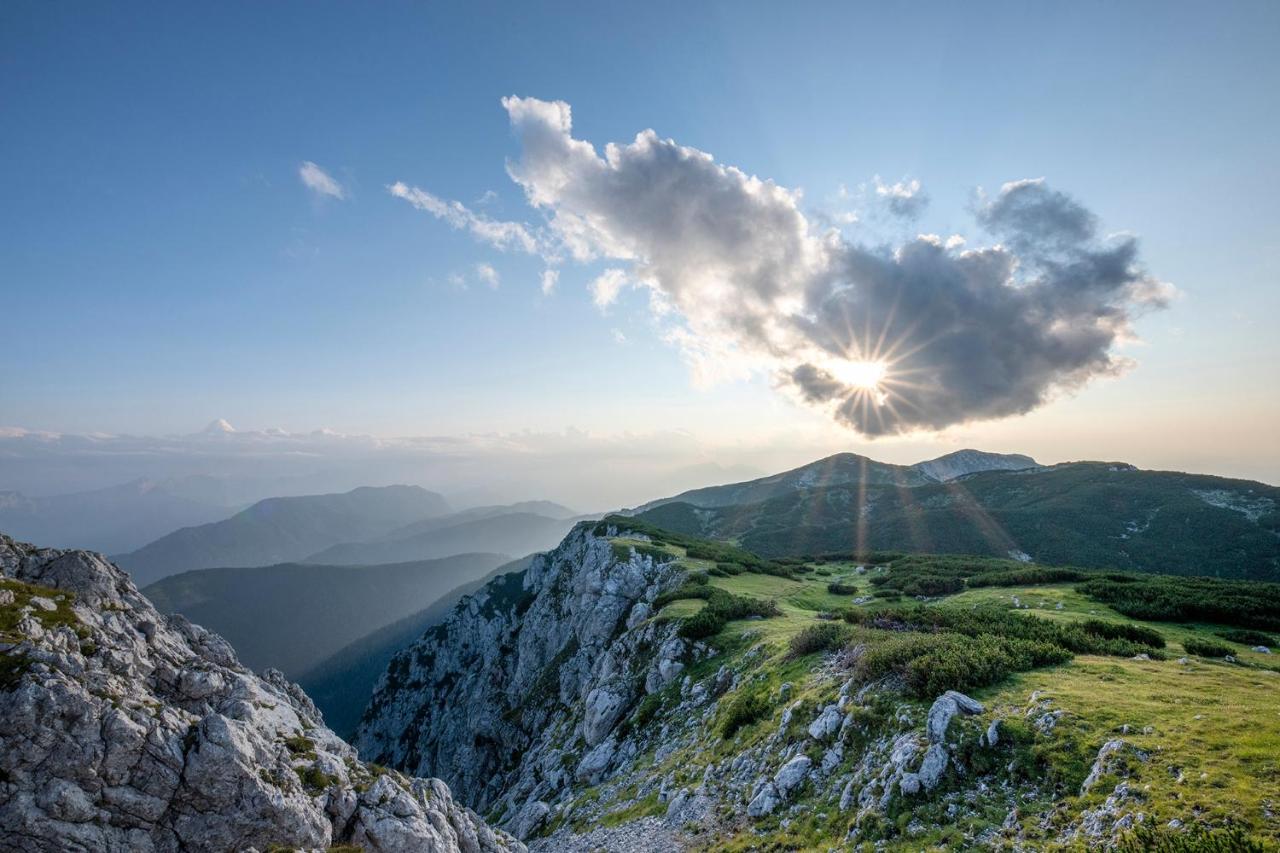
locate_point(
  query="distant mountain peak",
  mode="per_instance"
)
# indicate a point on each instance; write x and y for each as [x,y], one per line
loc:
[219,427]
[969,461]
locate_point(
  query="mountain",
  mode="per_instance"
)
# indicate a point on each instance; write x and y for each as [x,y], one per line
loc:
[546,509]
[508,533]
[278,530]
[952,466]
[122,729]
[1101,514]
[847,469]
[842,469]
[292,616]
[637,689]
[118,518]
[342,683]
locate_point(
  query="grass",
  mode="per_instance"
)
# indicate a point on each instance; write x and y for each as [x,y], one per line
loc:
[1211,728]
[1214,729]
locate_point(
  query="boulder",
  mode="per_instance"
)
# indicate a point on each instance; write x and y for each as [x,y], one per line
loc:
[826,724]
[765,801]
[792,774]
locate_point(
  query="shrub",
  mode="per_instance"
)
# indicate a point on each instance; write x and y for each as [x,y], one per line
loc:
[1140,634]
[315,780]
[1149,838]
[721,608]
[1239,604]
[746,708]
[1207,648]
[1248,638]
[837,588]
[818,638]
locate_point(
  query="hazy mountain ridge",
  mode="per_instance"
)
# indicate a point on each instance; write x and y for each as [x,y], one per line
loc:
[511,533]
[279,530]
[342,683]
[291,616]
[111,519]
[122,729]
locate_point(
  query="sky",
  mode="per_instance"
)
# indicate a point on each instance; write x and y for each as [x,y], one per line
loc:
[1023,227]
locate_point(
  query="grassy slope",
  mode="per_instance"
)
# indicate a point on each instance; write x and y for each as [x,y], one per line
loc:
[1085,514]
[1212,728]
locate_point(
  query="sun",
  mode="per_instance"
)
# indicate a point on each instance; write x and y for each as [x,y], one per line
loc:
[864,375]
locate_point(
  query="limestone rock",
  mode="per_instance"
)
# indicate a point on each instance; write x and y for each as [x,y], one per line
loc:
[127,730]
[792,774]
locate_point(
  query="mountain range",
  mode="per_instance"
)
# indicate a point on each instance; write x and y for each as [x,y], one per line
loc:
[279,530]
[113,519]
[291,616]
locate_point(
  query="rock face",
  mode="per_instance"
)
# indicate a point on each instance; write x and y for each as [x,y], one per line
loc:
[125,730]
[547,667]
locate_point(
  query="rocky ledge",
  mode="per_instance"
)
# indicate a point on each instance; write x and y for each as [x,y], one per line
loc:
[125,730]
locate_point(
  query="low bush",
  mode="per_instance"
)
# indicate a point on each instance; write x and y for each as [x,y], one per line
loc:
[1207,648]
[1150,838]
[1238,604]
[837,588]
[818,638]
[746,708]
[1246,637]
[723,607]
[1139,634]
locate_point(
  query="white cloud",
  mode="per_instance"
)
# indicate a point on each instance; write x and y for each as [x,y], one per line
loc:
[904,198]
[549,279]
[606,287]
[499,234]
[319,182]
[487,275]
[619,336]
[753,285]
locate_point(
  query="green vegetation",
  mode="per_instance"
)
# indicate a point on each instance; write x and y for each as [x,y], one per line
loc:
[301,746]
[747,707]
[819,638]
[720,609]
[1008,634]
[1085,514]
[1206,648]
[1176,599]
[1196,839]
[1246,637]
[11,614]
[314,780]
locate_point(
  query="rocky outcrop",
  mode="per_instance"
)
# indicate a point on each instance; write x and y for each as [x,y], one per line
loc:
[125,730]
[547,666]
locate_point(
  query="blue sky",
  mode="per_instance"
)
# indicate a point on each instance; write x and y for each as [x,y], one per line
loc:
[161,263]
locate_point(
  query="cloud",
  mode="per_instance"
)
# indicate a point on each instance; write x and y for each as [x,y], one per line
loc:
[319,182]
[751,284]
[548,281]
[496,233]
[905,198]
[606,287]
[487,275]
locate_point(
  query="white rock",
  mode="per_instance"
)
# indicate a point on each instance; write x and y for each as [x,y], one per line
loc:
[792,774]
[826,724]
[764,802]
